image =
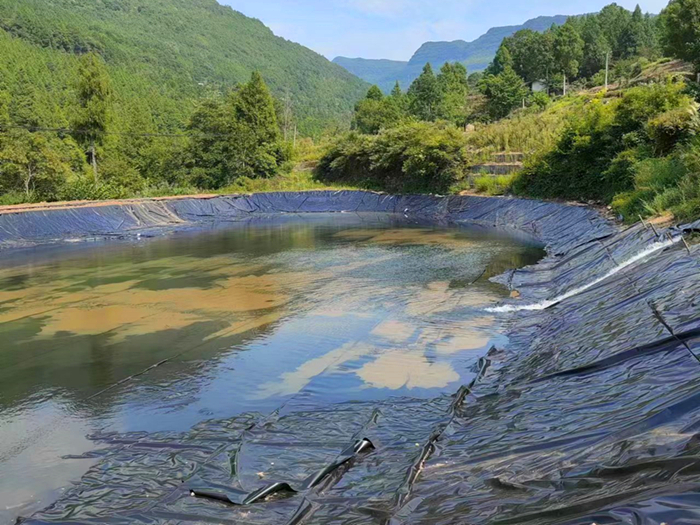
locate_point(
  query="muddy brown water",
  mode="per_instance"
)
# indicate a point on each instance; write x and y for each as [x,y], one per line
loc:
[162,334]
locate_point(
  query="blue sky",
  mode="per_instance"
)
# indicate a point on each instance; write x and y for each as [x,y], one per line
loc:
[396,28]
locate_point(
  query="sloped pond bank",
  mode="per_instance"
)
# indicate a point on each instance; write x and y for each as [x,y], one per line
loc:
[590,413]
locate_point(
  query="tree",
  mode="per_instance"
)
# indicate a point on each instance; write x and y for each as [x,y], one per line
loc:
[209,152]
[424,95]
[568,51]
[635,38]
[501,61]
[35,163]
[613,20]
[400,101]
[531,54]
[504,92]
[94,99]
[454,88]
[376,112]
[680,23]
[595,47]
[257,133]
[236,136]
[375,93]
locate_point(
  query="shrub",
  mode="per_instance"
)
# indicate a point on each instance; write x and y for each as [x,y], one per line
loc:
[656,188]
[415,157]
[595,157]
[673,127]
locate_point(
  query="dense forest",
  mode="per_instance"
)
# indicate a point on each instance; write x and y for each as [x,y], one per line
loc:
[162,62]
[597,106]
[119,98]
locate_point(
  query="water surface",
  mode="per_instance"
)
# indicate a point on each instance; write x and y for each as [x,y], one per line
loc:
[161,334]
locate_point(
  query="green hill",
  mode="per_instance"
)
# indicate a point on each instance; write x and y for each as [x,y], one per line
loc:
[475,55]
[167,54]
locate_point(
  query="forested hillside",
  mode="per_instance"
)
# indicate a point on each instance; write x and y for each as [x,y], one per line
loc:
[116,98]
[597,108]
[165,55]
[475,55]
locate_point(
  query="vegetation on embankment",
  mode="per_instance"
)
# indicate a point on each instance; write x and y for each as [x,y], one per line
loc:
[126,98]
[80,119]
[632,146]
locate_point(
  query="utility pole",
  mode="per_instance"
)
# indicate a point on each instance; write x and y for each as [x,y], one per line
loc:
[93,158]
[607,69]
[564,84]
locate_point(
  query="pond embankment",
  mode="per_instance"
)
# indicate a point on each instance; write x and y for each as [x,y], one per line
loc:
[591,412]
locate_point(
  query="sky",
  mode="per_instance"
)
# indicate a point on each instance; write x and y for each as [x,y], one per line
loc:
[395,29]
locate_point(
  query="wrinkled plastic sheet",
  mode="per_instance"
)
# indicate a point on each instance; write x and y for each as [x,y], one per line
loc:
[591,413]
[544,221]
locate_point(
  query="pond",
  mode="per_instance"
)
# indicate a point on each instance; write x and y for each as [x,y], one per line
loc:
[162,334]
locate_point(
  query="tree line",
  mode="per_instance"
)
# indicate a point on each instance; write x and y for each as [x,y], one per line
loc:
[228,136]
[579,51]
[635,148]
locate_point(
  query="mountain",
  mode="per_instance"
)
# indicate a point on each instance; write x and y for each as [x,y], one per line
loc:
[475,55]
[176,51]
[374,71]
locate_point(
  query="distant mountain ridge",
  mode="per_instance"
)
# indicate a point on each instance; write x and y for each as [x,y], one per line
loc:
[476,55]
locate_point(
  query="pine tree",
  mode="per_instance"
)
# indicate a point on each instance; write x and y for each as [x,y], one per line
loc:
[424,95]
[681,30]
[397,92]
[504,92]
[501,61]
[255,109]
[95,99]
[454,88]
[595,47]
[568,51]
[634,38]
[374,93]
[256,135]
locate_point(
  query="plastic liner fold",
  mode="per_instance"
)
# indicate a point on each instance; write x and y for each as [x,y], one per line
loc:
[590,414]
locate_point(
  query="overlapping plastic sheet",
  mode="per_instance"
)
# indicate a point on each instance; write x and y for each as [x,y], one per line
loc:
[539,219]
[591,413]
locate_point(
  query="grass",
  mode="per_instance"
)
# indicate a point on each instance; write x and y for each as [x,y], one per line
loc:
[296,180]
[527,131]
[490,185]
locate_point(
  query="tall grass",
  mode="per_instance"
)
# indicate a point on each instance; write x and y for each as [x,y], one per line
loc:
[528,131]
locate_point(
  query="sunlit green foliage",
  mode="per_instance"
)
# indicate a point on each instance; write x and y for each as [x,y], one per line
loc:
[680,23]
[504,91]
[414,157]
[235,136]
[376,112]
[91,121]
[597,154]
[172,52]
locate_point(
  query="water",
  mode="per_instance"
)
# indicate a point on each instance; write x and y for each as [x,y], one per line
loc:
[162,334]
[548,303]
